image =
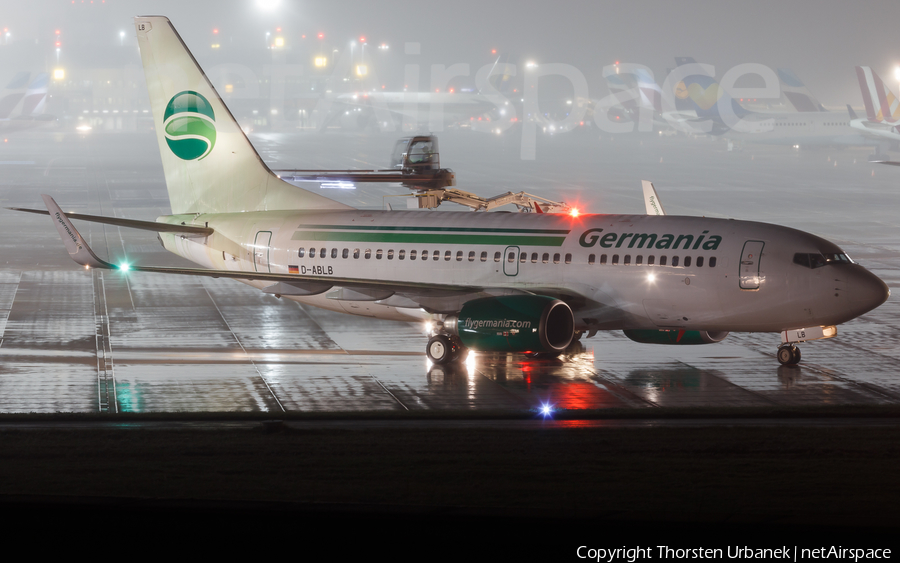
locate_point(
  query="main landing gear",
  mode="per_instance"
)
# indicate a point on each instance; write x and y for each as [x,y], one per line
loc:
[444,349]
[788,355]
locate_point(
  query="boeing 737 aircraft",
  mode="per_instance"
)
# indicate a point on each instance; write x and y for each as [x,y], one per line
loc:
[508,282]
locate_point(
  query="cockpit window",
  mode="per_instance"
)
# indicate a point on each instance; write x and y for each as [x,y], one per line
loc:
[815,260]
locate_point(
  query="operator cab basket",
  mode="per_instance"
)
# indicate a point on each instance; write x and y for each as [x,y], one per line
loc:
[416,155]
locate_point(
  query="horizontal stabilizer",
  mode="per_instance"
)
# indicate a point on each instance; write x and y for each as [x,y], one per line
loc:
[130,223]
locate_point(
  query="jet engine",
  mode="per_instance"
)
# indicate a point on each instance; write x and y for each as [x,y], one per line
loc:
[675,336]
[514,323]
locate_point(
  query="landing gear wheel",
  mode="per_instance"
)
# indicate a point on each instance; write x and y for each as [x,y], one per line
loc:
[788,355]
[440,349]
[460,353]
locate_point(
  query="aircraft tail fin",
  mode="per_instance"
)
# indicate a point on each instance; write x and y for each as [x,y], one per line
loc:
[797,93]
[209,164]
[501,81]
[13,94]
[651,200]
[651,93]
[36,96]
[881,103]
[702,94]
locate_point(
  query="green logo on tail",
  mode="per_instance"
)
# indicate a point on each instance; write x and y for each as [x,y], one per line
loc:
[190,126]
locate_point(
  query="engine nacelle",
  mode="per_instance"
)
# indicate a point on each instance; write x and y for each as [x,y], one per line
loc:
[675,336]
[514,323]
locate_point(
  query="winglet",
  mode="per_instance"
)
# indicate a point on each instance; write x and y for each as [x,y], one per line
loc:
[75,244]
[651,200]
[852,113]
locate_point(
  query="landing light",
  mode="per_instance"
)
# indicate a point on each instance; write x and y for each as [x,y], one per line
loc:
[546,409]
[574,212]
[651,278]
[124,267]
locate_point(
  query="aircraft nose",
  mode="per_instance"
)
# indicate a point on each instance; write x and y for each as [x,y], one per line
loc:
[867,291]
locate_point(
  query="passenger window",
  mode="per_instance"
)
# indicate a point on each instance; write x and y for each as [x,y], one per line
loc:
[436,255]
[511,257]
[627,260]
[447,256]
[545,257]
[591,258]
[687,261]
[712,261]
[390,254]
[471,256]
[459,255]
[496,257]
[651,260]
[568,258]
[425,255]
[603,259]
[368,253]
[401,255]
[484,257]
[334,252]
[312,252]
[378,254]
[674,261]
[356,254]
[412,254]
[662,260]
[556,258]
[615,259]
[301,253]
[323,253]
[523,257]
[345,253]
[534,257]
[638,260]
[699,261]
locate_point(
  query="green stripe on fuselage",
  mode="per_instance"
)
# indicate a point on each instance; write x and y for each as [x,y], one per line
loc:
[429,238]
[438,229]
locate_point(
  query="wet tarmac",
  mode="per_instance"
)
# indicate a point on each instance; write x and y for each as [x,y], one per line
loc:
[86,341]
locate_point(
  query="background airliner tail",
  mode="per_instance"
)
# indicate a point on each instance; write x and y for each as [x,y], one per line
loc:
[701,94]
[35,101]
[797,93]
[13,94]
[209,163]
[881,103]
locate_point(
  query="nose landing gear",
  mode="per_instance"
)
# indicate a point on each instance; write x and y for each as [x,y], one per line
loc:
[788,355]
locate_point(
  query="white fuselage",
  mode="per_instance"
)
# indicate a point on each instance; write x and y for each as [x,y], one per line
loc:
[598,264]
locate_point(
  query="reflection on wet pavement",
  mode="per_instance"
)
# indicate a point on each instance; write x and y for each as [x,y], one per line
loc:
[85,341]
